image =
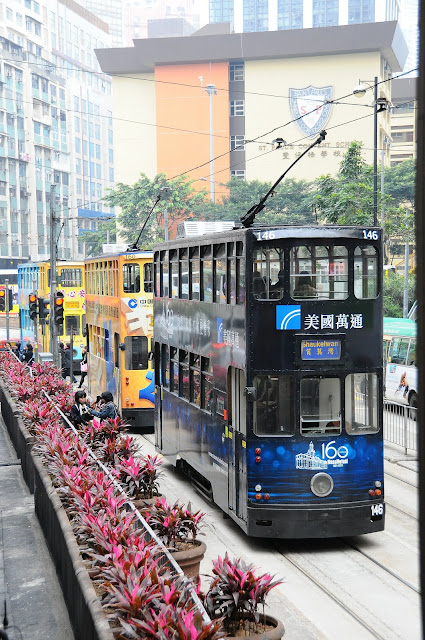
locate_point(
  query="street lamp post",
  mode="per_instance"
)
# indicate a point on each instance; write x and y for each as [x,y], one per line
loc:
[379,105]
[212,91]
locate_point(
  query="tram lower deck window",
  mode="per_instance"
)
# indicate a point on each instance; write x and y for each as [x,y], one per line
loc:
[320,406]
[361,403]
[274,408]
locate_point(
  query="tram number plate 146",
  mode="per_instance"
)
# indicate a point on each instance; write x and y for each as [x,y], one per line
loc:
[376,511]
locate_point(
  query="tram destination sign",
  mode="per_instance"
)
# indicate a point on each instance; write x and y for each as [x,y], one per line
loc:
[320,349]
[305,232]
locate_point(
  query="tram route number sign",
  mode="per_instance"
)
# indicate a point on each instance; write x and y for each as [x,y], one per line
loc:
[321,349]
[376,511]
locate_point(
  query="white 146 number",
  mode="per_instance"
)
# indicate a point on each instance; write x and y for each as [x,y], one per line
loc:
[370,235]
[377,509]
[266,235]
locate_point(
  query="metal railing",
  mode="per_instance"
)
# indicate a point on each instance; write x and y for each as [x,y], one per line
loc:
[400,425]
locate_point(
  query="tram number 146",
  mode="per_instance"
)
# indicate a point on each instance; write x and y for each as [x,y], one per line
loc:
[377,511]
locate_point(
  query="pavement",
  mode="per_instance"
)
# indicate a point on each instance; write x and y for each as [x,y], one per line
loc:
[29,585]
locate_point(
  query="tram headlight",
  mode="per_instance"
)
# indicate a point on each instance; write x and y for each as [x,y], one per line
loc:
[321,485]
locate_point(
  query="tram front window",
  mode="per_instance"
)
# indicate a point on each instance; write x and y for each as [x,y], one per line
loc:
[320,406]
[361,403]
[274,408]
[320,272]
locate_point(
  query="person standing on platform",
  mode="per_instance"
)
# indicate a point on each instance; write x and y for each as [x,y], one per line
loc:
[83,366]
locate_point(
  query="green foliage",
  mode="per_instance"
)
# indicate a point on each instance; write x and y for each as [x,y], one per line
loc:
[400,182]
[393,294]
[95,239]
[137,200]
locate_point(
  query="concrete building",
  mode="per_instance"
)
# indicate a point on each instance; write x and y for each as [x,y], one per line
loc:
[403,120]
[409,20]
[272,15]
[181,18]
[55,119]
[252,88]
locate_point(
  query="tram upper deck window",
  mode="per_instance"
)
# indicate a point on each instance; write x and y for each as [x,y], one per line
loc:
[361,403]
[148,277]
[267,273]
[365,272]
[174,274]
[320,272]
[194,276]
[320,406]
[220,274]
[71,277]
[184,274]
[274,408]
[207,274]
[131,278]
[165,282]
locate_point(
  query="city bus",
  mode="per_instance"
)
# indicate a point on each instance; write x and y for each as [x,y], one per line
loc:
[268,374]
[70,281]
[119,326]
[399,347]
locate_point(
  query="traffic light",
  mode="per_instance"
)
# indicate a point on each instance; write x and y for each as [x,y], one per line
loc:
[58,311]
[43,311]
[2,300]
[33,306]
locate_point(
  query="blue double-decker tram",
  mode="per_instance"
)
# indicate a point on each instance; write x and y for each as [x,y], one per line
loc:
[268,365]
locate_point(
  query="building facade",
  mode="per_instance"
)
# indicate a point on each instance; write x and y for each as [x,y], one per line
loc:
[111,12]
[52,95]
[230,96]
[137,16]
[272,15]
[403,120]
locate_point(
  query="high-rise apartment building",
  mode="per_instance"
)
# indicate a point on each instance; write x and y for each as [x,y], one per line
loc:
[409,20]
[275,15]
[110,11]
[55,126]
[137,15]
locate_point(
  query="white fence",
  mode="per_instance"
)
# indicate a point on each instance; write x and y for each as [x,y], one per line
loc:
[400,425]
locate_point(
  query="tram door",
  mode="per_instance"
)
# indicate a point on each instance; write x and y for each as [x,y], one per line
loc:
[236,383]
[158,394]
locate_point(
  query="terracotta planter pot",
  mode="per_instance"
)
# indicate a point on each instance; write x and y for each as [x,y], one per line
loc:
[273,634]
[190,559]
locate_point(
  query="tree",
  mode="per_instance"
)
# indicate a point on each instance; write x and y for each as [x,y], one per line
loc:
[95,239]
[400,183]
[137,200]
[394,292]
[290,204]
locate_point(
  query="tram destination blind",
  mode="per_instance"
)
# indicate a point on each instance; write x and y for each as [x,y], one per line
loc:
[320,349]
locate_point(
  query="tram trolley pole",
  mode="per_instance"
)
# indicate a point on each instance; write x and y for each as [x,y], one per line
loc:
[6,286]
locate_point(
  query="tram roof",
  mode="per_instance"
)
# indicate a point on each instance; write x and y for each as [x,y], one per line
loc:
[144,253]
[279,231]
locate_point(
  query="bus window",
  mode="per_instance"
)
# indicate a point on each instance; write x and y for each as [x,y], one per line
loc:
[131,278]
[72,323]
[194,279]
[320,406]
[411,360]
[274,408]
[361,403]
[319,272]
[398,350]
[267,277]
[220,275]
[184,275]
[365,272]
[148,277]
[136,352]
[207,274]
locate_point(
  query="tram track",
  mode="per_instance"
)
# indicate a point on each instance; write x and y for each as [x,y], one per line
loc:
[411,484]
[405,513]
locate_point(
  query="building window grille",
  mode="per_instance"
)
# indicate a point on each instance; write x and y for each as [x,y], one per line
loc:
[236,72]
[237,108]
[237,142]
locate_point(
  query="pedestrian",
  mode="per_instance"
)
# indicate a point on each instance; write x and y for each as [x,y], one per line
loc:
[79,411]
[83,366]
[66,363]
[28,354]
[108,409]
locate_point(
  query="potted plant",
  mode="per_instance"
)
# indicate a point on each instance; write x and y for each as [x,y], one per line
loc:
[237,594]
[177,527]
[141,478]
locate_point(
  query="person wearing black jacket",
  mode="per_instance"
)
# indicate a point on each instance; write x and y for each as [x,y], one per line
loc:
[79,413]
[28,354]
[66,362]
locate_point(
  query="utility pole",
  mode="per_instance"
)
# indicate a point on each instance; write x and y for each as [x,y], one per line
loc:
[34,288]
[53,278]
[6,302]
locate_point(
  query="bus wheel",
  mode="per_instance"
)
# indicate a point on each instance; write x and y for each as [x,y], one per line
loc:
[413,402]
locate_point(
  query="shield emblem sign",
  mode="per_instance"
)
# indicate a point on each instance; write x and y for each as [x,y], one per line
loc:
[310,108]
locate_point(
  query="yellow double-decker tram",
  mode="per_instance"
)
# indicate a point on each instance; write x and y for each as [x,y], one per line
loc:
[119,317]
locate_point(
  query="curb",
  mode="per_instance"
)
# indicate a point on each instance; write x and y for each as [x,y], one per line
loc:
[85,611]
